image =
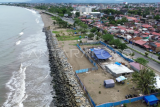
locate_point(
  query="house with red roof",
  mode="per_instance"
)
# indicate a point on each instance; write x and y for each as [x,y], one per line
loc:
[155,46]
[146,26]
[140,43]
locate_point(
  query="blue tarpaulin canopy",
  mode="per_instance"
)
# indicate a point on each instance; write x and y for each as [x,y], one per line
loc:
[121,78]
[117,63]
[101,54]
[152,99]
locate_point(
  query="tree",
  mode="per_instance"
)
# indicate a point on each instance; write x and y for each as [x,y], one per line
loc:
[105,32]
[145,80]
[157,17]
[69,26]
[122,46]
[97,38]
[77,14]
[118,43]
[142,61]
[112,42]
[91,35]
[93,30]
[108,37]
[124,19]
[99,34]
[54,22]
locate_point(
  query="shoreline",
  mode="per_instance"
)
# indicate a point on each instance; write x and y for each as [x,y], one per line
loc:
[67,89]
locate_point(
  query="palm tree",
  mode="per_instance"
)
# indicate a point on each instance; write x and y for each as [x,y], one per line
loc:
[145,79]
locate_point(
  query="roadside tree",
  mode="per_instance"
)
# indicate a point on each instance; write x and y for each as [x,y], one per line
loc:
[122,46]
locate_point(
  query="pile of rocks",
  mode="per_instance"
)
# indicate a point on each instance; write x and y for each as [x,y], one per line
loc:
[68,91]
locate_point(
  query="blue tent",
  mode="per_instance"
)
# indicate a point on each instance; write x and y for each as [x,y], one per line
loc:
[152,99]
[101,54]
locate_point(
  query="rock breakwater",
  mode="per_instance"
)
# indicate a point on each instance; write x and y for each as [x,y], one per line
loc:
[68,91]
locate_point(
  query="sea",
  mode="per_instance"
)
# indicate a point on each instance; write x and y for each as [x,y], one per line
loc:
[25,79]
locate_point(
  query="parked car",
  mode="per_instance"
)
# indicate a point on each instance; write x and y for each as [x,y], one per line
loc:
[159,53]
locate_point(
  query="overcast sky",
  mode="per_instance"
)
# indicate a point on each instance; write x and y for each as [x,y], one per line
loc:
[82,1]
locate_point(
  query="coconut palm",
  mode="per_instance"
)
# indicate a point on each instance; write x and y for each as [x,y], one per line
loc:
[144,79]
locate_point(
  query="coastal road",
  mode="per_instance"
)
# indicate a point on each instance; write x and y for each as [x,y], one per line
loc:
[151,64]
[142,51]
[69,20]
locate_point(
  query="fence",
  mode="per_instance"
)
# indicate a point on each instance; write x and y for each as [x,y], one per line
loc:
[127,59]
[87,69]
[123,102]
[83,87]
[95,68]
[91,43]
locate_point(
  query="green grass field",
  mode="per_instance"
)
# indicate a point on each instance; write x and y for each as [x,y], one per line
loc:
[55,32]
[53,18]
[71,30]
[66,38]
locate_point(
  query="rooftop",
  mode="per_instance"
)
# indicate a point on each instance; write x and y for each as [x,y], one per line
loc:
[119,69]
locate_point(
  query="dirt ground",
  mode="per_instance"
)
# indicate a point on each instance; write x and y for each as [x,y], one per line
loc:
[93,82]
[75,57]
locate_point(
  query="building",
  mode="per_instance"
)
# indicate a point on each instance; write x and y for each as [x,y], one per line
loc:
[118,70]
[84,9]
[155,46]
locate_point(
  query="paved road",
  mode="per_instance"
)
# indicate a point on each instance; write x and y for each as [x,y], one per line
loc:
[151,63]
[143,51]
[70,20]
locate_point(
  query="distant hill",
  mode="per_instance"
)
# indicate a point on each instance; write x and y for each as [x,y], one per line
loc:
[53,1]
[93,1]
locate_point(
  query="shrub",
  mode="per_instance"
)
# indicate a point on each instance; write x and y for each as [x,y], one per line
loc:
[99,92]
[125,105]
[146,53]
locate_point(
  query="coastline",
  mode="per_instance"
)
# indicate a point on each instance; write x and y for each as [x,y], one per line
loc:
[67,89]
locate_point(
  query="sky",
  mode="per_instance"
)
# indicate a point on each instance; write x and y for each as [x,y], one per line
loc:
[83,1]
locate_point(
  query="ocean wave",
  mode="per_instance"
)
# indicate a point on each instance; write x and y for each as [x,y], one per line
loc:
[18,42]
[37,21]
[16,85]
[34,12]
[21,33]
